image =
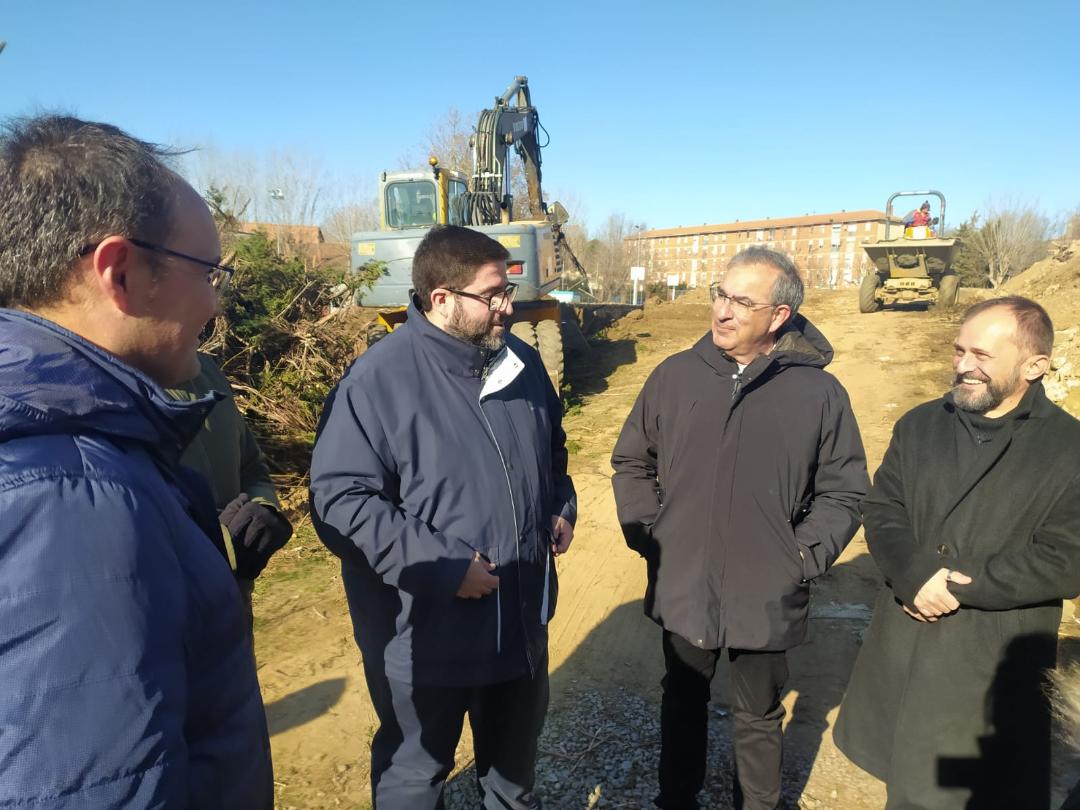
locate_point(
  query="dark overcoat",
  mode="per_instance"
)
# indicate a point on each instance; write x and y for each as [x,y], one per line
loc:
[739,487]
[951,714]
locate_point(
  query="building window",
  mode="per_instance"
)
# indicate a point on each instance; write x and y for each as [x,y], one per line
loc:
[853,227]
[760,235]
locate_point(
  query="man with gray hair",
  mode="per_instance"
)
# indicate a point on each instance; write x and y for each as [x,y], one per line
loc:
[125,654]
[738,475]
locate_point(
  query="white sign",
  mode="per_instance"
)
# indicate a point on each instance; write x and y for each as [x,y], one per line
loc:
[673,280]
[637,273]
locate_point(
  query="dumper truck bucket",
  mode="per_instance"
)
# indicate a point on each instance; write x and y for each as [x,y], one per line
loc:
[912,257]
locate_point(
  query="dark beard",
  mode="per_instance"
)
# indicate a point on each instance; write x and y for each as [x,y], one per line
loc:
[482,338]
[992,394]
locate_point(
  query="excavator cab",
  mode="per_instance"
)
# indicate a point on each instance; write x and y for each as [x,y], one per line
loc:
[420,199]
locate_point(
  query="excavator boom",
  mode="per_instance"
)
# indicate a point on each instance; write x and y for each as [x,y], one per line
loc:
[513,121]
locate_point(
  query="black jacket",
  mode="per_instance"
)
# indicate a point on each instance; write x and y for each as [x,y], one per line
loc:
[430,451]
[722,479]
[934,707]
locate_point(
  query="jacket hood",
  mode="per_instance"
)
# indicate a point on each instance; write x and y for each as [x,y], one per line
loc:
[54,382]
[800,343]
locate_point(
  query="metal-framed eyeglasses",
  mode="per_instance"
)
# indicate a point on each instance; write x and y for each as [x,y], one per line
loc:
[496,302]
[218,275]
[738,303]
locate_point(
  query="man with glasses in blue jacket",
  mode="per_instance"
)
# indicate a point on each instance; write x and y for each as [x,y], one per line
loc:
[125,654]
[439,478]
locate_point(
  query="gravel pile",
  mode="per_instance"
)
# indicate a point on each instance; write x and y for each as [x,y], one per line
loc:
[601,750]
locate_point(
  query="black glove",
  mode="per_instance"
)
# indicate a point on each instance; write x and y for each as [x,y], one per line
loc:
[257,531]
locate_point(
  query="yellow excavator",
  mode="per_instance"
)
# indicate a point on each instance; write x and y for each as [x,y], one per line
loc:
[410,202]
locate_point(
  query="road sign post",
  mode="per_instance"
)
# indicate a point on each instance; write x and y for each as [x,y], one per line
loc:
[637,274]
[673,282]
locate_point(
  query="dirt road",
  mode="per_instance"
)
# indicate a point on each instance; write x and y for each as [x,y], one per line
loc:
[603,651]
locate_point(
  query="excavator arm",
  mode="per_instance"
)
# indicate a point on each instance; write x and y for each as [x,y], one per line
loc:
[515,122]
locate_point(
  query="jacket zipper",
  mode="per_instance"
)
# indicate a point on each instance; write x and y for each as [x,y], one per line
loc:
[736,388]
[517,534]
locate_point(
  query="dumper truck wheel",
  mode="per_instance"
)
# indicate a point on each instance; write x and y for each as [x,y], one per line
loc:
[550,343]
[867,302]
[948,291]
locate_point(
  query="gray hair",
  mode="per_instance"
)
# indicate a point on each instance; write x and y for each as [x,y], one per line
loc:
[68,184]
[788,288]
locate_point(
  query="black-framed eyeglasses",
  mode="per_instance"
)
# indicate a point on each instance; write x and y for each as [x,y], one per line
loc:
[218,275]
[496,302]
[737,302]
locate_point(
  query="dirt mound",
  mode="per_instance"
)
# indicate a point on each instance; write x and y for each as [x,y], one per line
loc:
[1055,283]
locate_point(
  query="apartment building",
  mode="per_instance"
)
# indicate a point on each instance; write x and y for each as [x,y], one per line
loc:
[827,248]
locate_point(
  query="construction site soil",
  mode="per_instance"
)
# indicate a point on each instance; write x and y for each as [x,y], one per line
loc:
[601,743]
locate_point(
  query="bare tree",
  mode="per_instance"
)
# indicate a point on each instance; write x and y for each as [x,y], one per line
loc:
[283,186]
[446,139]
[611,268]
[1072,225]
[1011,239]
[295,184]
[345,220]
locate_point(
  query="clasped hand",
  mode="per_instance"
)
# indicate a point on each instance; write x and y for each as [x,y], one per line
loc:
[934,599]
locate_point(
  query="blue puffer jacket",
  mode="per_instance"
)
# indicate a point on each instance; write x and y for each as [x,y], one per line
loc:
[430,451]
[126,674]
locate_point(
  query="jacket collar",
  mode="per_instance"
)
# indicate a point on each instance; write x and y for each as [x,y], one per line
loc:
[53,381]
[799,343]
[1033,405]
[456,356]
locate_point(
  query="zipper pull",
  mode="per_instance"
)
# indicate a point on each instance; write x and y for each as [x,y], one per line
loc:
[738,384]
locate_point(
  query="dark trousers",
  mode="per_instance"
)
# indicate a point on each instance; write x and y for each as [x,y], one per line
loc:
[412,752]
[757,680]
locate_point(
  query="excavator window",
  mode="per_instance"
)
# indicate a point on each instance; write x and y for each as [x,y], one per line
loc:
[457,203]
[410,204]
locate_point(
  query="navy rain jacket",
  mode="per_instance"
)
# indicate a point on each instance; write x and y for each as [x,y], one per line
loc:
[126,673]
[431,449]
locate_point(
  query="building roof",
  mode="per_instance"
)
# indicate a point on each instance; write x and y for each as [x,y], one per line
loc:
[757,224]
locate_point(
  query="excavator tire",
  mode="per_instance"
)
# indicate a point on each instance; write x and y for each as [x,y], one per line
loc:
[948,291]
[375,333]
[550,343]
[867,302]
[525,331]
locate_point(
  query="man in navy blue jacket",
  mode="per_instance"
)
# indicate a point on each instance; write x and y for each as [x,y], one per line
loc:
[125,657]
[439,478]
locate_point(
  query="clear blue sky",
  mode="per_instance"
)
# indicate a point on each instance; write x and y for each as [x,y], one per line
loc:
[676,113]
